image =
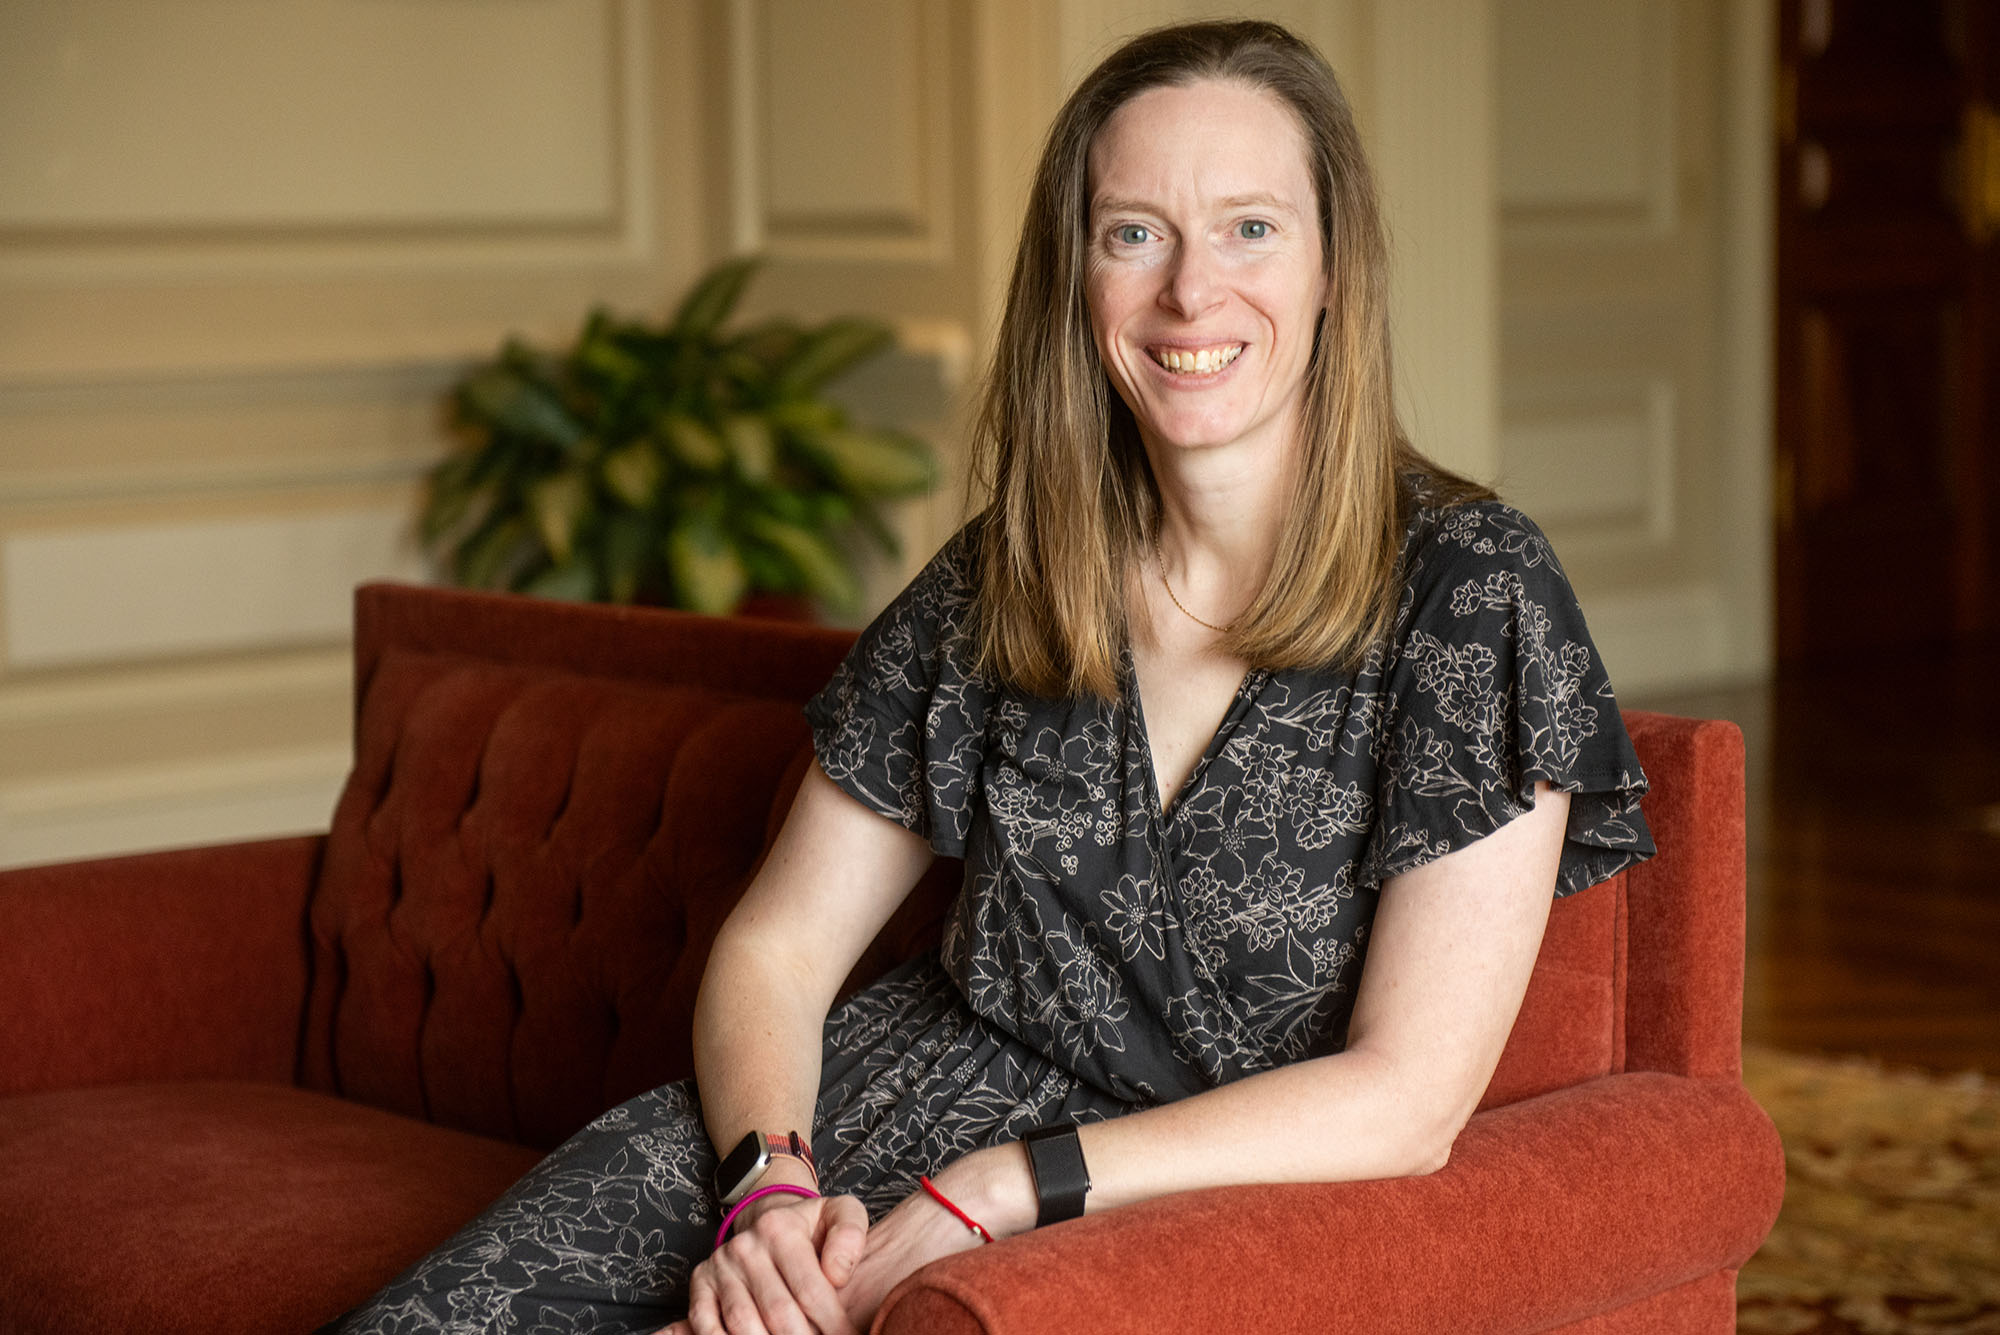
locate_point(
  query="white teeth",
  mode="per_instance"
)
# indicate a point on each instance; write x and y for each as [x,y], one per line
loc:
[1203,361]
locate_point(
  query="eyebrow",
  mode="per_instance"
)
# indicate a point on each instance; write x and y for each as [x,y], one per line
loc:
[1115,204]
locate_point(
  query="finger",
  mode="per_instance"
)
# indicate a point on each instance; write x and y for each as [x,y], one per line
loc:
[798,1264]
[739,1312]
[846,1237]
[704,1317]
[752,1296]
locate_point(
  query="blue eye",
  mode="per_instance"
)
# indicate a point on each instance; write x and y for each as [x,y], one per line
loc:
[1131,234]
[1253,229]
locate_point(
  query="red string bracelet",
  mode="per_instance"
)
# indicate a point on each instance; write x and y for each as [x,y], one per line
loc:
[961,1215]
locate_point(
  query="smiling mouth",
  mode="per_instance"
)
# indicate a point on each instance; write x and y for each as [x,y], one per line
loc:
[1196,361]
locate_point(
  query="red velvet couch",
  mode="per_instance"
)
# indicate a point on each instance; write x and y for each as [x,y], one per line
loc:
[240,1087]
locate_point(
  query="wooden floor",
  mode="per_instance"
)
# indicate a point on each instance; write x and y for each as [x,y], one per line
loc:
[1874,852]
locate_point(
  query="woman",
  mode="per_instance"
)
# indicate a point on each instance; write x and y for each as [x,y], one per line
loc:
[1225,688]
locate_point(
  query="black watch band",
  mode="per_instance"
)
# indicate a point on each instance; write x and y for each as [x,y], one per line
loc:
[1055,1156]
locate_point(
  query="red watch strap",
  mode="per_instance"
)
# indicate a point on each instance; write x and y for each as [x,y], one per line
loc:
[795,1145]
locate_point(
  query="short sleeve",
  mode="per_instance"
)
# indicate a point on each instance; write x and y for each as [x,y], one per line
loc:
[1492,683]
[901,725]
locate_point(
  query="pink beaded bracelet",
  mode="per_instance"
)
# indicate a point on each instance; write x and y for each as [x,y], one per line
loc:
[787,1188]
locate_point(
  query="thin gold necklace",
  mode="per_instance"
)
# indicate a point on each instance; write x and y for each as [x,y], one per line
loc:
[1160,563]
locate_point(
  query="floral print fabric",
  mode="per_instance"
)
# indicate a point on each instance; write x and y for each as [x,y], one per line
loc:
[601,1236]
[1159,952]
[1104,953]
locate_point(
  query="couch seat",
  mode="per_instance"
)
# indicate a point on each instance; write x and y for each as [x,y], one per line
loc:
[252,1203]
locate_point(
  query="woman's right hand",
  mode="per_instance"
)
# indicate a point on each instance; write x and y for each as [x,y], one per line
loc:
[779,1271]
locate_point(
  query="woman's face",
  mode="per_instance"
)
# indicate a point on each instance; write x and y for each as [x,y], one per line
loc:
[1205,278]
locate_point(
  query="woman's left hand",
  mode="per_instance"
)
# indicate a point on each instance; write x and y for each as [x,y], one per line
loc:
[915,1233]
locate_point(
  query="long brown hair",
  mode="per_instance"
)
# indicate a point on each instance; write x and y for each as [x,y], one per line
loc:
[1071,500]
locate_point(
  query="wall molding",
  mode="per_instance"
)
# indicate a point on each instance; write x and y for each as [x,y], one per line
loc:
[624,233]
[1540,423]
[1649,211]
[78,595]
[112,811]
[161,688]
[889,234]
[1671,638]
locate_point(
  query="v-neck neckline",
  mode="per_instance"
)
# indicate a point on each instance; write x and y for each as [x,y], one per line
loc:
[1247,689]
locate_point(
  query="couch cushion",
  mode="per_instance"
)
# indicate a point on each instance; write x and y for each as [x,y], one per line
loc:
[1572,1022]
[218,1206]
[524,876]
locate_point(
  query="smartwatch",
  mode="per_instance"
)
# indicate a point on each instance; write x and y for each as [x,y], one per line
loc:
[1055,1156]
[740,1168]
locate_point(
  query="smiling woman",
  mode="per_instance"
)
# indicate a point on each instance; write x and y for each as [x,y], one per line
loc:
[1206,287]
[1265,742]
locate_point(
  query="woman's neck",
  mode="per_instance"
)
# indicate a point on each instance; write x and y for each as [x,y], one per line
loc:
[1220,514]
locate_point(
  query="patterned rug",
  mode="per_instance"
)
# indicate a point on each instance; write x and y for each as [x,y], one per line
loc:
[1891,1224]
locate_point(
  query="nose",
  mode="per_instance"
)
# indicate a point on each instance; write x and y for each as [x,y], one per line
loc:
[1193,284]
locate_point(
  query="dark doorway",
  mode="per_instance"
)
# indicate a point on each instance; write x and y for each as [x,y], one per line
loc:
[1888,206]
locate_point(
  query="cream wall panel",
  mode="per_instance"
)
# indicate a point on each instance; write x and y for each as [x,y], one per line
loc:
[312,113]
[183,805]
[91,595]
[216,395]
[1594,460]
[1434,145]
[1663,637]
[846,113]
[1585,94]
[76,722]
[842,132]
[1629,245]
[99,439]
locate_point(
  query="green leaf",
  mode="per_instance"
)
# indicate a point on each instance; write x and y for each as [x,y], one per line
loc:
[790,506]
[827,351]
[499,543]
[633,474]
[506,400]
[558,504]
[826,572]
[873,463]
[628,539]
[448,496]
[768,570]
[767,346]
[753,444]
[805,417]
[600,351]
[708,572]
[572,581]
[693,443]
[709,304]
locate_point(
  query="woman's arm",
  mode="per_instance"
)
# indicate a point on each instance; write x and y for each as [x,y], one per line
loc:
[1449,956]
[835,874]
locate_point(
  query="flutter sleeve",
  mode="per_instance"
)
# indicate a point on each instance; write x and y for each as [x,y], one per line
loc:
[1491,684]
[901,726]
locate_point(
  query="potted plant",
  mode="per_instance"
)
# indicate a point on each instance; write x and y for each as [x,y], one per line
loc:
[683,464]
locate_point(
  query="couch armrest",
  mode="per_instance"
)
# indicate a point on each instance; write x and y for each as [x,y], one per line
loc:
[1551,1210]
[188,964]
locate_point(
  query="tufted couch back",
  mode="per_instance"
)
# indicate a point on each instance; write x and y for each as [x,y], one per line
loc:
[554,805]
[551,810]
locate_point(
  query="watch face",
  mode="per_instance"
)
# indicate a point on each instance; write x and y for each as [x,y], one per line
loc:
[740,1166]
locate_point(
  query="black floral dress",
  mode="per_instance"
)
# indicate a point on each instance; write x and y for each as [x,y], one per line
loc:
[1105,953]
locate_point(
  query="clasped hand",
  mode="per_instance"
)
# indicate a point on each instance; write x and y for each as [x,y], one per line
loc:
[814,1266]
